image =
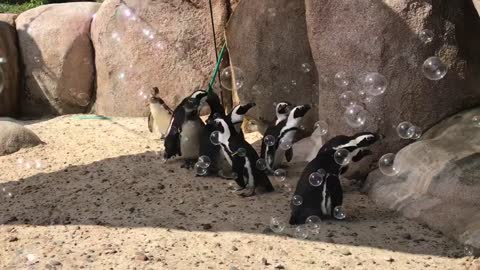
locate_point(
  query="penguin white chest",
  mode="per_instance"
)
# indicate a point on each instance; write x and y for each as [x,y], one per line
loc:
[161,117]
[190,139]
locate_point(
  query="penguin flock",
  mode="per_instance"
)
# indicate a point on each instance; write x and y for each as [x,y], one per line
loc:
[220,139]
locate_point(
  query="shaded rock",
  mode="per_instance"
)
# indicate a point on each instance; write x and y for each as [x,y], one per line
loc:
[438,183]
[58,57]
[268,41]
[385,39]
[9,94]
[167,44]
[14,137]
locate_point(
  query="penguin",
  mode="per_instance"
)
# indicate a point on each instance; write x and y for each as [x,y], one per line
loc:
[281,111]
[237,115]
[160,114]
[184,131]
[243,162]
[284,130]
[321,200]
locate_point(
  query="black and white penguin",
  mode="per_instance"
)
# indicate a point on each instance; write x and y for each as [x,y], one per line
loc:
[243,158]
[183,134]
[281,111]
[283,131]
[160,114]
[321,200]
[237,115]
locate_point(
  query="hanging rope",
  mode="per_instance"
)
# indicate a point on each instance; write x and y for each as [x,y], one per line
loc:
[217,57]
[213,29]
[217,67]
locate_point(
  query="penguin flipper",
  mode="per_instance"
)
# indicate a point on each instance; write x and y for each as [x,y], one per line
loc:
[289,154]
[150,122]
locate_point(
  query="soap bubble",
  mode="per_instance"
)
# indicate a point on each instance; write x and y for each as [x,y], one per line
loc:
[342,157]
[402,130]
[322,172]
[476,121]
[297,200]
[276,225]
[204,161]
[20,162]
[261,164]
[143,95]
[322,126]
[226,78]
[339,213]
[287,187]
[341,79]
[272,12]
[200,168]
[469,250]
[241,152]
[121,75]
[215,137]
[1,80]
[434,69]
[280,175]
[3,60]
[315,179]
[386,164]
[269,140]
[294,83]
[38,164]
[306,67]
[414,132]
[363,96]
[426,36]
[313,224]
[28,165]
[116,36]
[285,144]
[347,99]
[301,232]
[355,116]
[374,84]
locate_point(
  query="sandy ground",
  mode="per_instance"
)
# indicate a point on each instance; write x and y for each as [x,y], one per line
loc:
[103,199]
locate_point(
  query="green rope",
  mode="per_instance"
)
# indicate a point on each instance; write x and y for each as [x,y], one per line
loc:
[215,71]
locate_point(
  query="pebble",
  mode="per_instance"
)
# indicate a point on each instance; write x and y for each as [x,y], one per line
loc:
[279,266]
[265,262]
[407,236]
[12,239]
[141,257]
[207,226]
[234,248]
[345,252]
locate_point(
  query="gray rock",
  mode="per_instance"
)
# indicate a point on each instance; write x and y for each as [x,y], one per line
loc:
[438,183]
[14,137]
[58,57]
[9,94]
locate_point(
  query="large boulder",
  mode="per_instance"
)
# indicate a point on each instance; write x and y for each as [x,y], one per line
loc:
[14,137]
[58,58]
[142,44]
[386,39]
[9,94]
[268,41]
[439,182]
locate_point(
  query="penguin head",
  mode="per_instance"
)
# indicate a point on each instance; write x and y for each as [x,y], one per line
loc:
[283,108]
[196,100]
[359,140]
[300,111]
[214,103]
[238,113]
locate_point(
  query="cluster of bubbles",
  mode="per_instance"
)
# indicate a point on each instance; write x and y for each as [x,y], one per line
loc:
[201,167]
[407,130]
[231,78]
[26,164]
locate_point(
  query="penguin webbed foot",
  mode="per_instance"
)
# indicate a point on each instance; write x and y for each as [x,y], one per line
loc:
[247,192]
[188,164]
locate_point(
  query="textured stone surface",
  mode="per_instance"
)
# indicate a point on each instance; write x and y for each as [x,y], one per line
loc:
[439,182]
[268,41]
[140,45]
[385,39]
[58,57]
[14,137]
[9,95]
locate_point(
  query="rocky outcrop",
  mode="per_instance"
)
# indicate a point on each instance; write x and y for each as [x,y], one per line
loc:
[167,44]
[14,137]
[9,91]
[268,41]
[386,39]
[57,56]
[439,182]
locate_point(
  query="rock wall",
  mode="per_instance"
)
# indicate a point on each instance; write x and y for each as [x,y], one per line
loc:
[9,95]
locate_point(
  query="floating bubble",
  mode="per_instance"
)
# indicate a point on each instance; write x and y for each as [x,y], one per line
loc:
[313,224]
[28,165]
[414,132]
[468,250]
[272,12]
[20,162]
[434,69]
[3,60]
[339,213]
[36,59]
[285,144]
[386,164]
[402,130]
[215,137]
[322,126]
[374,84]
[269,140]
[322,172]
[287,187]
[280,175]
[342,157]
[306,67]
[355,116]
[143,95]
[347,99]
[297,200]
[476,121]
[200,169]
[364,97]
[315,179]
[341,79]
[38,164]
[227,78]
[261,164]
[294,83]
[204,161]
[121,75]
[426,36]
[301,232]
[241,152]
[276,225]
[83,99]
[116,36]
[2,80]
